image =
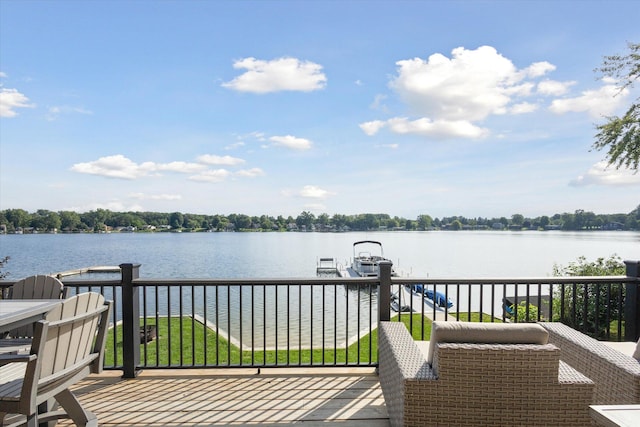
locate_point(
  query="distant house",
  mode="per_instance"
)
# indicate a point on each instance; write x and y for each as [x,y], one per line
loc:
[613,226]
[497,226]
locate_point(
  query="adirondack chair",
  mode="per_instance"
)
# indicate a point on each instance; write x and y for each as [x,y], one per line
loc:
[32,287]
[35,287]
[67,346]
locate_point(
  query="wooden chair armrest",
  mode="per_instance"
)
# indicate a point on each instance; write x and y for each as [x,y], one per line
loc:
[12,358]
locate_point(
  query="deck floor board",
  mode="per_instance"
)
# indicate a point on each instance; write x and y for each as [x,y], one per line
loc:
[350,397]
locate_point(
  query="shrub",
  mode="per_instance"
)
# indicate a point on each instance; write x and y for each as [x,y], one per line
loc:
[590,307]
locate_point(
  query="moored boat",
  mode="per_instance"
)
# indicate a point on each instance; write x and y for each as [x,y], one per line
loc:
[366,263]
[436,297]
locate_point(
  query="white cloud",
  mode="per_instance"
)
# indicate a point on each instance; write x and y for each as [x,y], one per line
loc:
[250,173]
[282,74]
[291,142]
[439,128]
[234,145]
[449,96]
[113,205]
[315,207]
[142,196]
[522,108]
[54,112]
[538,69]
[436,128]
[602,174]
[470,86]
[598,103]
[119,166]
[313,192]
[10,99]
[3,75]
[554,87]
[371,128]
[378,103]
[179,167]
[210,159]
[213,176]
[260,136]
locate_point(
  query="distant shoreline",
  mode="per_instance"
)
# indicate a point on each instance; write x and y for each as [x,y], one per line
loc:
[19,221]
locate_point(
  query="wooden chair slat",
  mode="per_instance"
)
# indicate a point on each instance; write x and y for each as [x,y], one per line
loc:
[35,287]
[62,353]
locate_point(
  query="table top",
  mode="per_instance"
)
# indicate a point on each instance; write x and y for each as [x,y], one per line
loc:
[616,415]
[20,312]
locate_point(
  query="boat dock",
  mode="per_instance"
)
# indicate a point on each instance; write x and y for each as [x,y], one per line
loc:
[331,267]
[88,270]
[406,297]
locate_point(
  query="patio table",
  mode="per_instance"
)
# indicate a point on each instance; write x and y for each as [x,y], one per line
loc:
[20,312]
[616,415]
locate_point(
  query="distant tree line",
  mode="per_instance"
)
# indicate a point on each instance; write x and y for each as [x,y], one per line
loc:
[103,220]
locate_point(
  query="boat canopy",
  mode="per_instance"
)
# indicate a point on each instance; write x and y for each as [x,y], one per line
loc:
[373,242]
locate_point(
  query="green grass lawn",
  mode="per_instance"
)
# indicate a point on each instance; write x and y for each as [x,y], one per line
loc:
[209,348]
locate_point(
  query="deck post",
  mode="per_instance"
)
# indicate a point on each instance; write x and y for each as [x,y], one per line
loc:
[632,302]
[130,320]
[384,291]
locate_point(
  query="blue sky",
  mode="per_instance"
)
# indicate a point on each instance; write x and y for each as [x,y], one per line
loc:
[474,108]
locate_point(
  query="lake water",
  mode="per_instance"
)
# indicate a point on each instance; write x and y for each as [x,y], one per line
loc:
[277,311]
[276,255]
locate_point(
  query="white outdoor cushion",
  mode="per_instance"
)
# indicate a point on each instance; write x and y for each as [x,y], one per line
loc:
[486,333]
[636,354]
[628,348]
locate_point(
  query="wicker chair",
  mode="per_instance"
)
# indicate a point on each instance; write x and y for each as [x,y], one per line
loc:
[473,383]
[616,375]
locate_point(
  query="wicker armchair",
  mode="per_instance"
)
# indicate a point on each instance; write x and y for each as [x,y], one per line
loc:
[472,383]
[616,375]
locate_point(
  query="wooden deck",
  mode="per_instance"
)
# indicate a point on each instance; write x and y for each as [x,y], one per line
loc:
[313,397]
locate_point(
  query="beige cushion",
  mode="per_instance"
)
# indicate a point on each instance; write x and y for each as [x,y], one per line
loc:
[625,347]
[486,333]
[636,354]
[423,346]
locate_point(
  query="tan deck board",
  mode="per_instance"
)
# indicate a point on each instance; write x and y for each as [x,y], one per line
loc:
[351,397]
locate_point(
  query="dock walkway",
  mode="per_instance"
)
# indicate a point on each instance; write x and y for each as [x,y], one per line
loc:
[331,266]
[88,270]
[406,297]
